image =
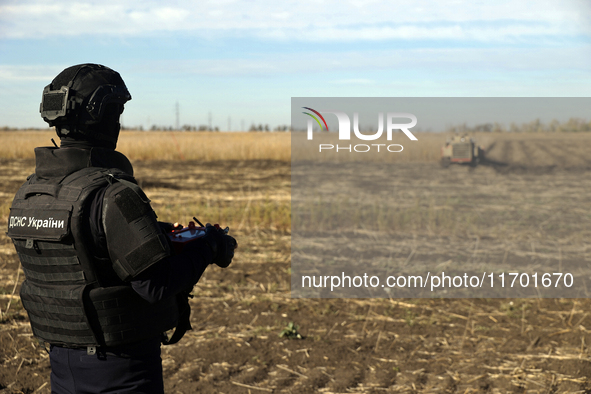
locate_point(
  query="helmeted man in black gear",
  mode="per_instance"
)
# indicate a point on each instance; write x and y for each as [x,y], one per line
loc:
[102,285]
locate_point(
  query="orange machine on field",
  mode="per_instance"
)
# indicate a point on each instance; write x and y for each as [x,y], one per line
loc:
[461,149]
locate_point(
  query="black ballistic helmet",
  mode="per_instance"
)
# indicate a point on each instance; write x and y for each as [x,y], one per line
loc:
[84,102]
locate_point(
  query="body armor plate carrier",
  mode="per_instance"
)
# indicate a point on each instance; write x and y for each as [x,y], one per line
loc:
[66,302]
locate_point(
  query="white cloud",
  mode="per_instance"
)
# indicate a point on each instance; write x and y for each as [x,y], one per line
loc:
[307,20]
[363,66]
[27,73]
[512,32]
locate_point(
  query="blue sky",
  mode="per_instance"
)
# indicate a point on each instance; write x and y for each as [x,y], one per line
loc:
[244,60]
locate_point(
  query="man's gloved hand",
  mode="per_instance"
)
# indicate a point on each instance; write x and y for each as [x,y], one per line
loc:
[222,245]
[167,227]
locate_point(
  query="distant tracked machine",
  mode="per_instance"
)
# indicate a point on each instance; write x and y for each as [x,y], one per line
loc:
[461,149]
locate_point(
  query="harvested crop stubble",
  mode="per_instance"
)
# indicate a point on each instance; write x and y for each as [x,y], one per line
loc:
[518,213]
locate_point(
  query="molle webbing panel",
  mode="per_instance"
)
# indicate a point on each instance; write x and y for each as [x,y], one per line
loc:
[48,261]
[61,324]
[53,291]
[57,313]
[54,277]
[125,317]
[45,263]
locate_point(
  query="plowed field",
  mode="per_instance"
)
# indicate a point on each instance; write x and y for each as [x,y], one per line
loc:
[360,345]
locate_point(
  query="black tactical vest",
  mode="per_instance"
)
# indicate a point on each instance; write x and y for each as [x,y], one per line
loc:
[66,302]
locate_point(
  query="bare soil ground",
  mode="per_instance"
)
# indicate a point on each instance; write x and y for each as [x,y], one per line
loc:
[348,345]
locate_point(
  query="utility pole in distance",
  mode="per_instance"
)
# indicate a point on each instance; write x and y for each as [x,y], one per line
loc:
[177,124]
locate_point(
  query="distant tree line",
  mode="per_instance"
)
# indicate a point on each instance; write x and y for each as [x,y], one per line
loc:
[8,128]
[260,127]
[535,126]
[188,127]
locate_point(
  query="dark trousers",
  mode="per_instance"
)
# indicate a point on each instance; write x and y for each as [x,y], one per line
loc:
[131,369]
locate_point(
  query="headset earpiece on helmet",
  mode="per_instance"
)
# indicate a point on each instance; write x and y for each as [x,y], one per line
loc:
[103,95]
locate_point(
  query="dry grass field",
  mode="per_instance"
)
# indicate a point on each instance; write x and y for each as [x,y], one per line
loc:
[160,145]
[528,201]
